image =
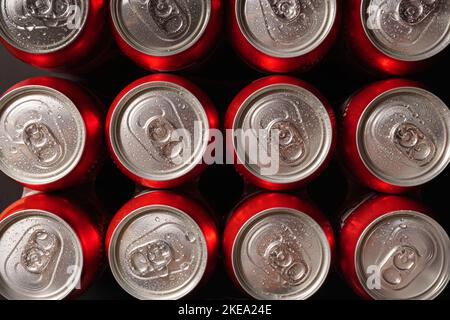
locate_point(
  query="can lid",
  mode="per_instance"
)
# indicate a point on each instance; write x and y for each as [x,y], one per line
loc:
[281,253]
[160,28]
[287,120]
[41,256]
[285,28]
[42,26]
[403,255]
[159,131]
[42,135]
[408,30]
[158,252]
[403,136]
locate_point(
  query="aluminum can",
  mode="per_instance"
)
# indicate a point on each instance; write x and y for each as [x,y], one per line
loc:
[158,129]
[397,37]
[50,248]
[51,133]
[394,135]
[281,132]
[166,35]
[392,248]
[64,35]
[278,246]
[283,35]
[161,245]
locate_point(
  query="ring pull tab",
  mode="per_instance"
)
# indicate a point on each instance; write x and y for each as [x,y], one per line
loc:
[52,13]
[42,144]
[150,259]
[170,17]
[292,148]
[414,144]
[164,138]
[415,11]
[39,251]
[285,10]
[401,266]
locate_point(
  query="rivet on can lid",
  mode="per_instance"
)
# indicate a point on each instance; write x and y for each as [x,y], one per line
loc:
[158,252]
[160,28]
[159,131]
[408,30]
[403,136]
[41,256]
[403,255]
[281,253]
[285,28]
[42,135]
[40,27]
[303,124]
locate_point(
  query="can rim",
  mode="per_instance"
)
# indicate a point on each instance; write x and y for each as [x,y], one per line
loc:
[73,38]
[331,19]
[116,269]
[327,140]
[126,36]
[431,173]
[120,107]
[23,91]
[444,276]
[22,214]
[326,252]
[438,48]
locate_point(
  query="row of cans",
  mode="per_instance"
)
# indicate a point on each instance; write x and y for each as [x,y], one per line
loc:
[280,133]
[391,36]
[165,245]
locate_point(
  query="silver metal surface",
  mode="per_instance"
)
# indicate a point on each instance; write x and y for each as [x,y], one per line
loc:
[159,131]
[40,256]
[161,27]
[409,30]
[403,136]
[408,252]
[42,26]
[158,252]
[285,28]
[303,126]
[281,253]
[42,135]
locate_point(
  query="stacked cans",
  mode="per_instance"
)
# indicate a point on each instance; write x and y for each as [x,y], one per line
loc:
[279,132]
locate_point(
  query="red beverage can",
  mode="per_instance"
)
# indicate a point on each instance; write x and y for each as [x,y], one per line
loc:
[161,245]
[51,133]
[395,135]
[66,35]
[281,132]
[397,37]
[50,248]
[392,248]
[158,129]
[278,246]
[166,35]
[283,35]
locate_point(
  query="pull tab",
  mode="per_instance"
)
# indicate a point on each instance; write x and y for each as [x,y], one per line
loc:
[278,255]
[163,137]
[414,144]
[415,11]
[401,265]
[39,251]
[42,144]
[292,147]
[150,259]
[285,10]
[52,13]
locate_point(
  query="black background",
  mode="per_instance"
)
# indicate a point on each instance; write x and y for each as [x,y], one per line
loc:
[222,77]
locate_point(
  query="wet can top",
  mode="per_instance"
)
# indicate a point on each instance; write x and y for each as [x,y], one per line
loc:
[403,254]
[287,120]
[285,28]
[158,252]
[403,136]
[159,131]
[41,256]
[42,134]
[160,27]
[42,26]
[407,30]
[281,253]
